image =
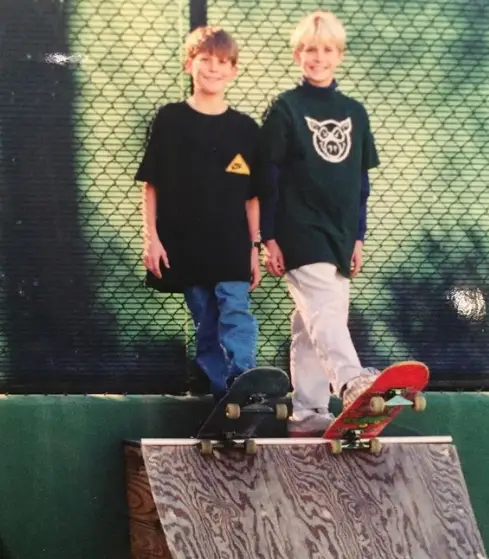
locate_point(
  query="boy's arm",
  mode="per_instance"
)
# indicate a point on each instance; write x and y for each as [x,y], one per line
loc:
[364,194]
[274,145]
[154,252]
[149,211]
[357,258]
[370,159]
[274,259]
[253,215]
[148,173]
[269,204]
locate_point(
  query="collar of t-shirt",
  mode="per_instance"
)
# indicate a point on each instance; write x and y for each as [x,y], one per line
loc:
[317,90]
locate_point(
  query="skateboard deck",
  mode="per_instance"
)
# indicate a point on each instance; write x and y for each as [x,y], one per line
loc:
[399,385]
[255,395]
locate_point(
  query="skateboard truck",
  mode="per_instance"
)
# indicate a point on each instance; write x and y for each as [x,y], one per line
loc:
[207,446]
[352,440]
[395,397]
[259,404]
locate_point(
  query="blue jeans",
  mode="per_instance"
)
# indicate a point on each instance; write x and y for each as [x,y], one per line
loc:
[226,331]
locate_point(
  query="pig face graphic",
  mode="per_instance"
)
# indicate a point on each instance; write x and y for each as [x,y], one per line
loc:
[332,139]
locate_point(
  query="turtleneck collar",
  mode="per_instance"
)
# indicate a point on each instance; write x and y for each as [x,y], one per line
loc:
[316,90]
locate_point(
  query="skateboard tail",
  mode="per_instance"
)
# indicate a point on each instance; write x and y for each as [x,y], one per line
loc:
[255,395]
[271,381]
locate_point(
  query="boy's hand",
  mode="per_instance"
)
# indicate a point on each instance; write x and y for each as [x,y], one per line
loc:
[357,259]
[154,253]
[255,268]
[274,259]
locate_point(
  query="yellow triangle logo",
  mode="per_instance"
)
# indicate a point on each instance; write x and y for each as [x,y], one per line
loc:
[238,165]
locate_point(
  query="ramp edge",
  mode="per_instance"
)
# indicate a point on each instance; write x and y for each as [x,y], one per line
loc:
[303,441]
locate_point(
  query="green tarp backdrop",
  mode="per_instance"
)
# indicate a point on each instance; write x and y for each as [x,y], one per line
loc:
[80,81]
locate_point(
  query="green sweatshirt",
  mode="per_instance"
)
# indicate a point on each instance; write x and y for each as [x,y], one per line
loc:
[322,143]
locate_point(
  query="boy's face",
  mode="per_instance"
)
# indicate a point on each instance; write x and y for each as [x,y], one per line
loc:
[210,73]
[318,63]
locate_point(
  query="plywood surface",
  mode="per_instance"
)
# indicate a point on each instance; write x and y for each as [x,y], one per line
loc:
[299,501]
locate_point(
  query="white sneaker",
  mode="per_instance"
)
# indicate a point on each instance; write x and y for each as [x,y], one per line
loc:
[359,384]
[323,411]
[309,423]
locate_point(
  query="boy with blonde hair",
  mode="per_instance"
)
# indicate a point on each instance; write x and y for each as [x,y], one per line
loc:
[200,209]
[319,144]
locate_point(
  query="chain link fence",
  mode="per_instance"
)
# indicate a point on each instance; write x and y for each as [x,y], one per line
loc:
[80,88]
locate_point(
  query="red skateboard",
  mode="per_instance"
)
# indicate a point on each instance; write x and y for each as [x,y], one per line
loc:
[398,386]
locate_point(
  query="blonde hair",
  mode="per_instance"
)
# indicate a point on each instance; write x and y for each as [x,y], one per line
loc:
[211,40]
[319,27]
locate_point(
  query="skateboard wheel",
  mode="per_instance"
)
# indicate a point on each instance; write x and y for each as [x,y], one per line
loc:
[377,404]
[233,411]
[281,411]
[375,446]
[419,402]
[335,447]
[250,446]
[206,448]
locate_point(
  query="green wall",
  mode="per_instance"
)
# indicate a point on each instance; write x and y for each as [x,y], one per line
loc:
[62,479]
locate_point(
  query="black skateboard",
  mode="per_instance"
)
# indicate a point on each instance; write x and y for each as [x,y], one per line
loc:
[254,396]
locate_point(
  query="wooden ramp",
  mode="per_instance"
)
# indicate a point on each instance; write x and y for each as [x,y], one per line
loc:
[294,500]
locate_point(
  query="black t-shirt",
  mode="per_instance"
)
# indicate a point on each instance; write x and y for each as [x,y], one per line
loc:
[322,143]
[204,168]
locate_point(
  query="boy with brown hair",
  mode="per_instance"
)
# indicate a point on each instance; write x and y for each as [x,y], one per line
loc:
[200,209]
[319,144]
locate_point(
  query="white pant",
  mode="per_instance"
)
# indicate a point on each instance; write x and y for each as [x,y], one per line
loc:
[322,351]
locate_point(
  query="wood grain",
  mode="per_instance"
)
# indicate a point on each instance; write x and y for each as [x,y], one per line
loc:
[299,501]
[145,531]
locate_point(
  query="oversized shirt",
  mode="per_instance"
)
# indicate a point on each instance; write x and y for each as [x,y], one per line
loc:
[204,169]
[321,141]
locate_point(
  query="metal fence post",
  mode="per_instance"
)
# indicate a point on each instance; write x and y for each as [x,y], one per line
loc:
[198,13]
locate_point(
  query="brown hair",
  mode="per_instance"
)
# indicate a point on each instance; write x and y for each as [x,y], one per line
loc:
[211,40]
